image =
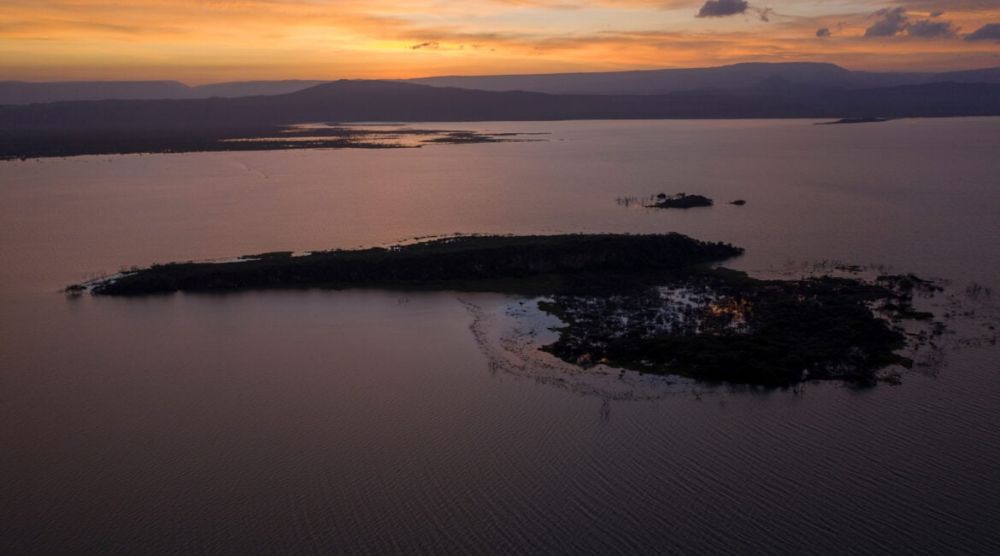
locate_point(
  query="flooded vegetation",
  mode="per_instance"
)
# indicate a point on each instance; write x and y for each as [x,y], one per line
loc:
[563,340]
[336,135]
[676,201]
[724,326]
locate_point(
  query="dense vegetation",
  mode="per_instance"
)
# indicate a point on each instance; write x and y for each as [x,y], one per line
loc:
[545,264]
[743,330]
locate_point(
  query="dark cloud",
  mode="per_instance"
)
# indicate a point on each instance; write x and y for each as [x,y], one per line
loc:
[895,21]
[988,32]
[823,32]
[433,45]
[927,29]
[723,8]
[891,22]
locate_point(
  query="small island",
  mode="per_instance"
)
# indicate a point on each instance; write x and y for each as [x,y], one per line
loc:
[858,120]
[680,201]
[651,303]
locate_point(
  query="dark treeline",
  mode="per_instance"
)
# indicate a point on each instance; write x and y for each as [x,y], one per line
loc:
[486,263]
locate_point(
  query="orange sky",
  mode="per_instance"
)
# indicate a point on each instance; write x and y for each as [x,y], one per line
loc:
[219,40]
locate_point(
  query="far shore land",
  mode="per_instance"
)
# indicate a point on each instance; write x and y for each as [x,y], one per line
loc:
[262,122]
[48,144]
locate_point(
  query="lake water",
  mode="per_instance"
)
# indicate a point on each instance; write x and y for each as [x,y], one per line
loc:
[373,421]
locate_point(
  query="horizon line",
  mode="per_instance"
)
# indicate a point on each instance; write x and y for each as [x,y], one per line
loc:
[195,84]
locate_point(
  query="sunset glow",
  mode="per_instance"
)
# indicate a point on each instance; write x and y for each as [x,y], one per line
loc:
[216,40]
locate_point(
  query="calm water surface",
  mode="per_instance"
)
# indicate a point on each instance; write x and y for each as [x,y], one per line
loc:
[367,421]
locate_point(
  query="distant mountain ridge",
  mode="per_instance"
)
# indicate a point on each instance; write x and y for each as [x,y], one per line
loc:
[797,76]
[737,77]
[21,92]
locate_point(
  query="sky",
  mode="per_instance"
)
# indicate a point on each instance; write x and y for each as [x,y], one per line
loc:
[222,40]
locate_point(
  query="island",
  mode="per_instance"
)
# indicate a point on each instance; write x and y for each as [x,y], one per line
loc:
[516,264]
[656,303]
[680,201]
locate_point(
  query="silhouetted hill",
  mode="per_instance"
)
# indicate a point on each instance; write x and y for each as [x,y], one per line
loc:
[20,92]
[252,88]
[737,77]
[987,75]
[726,78]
